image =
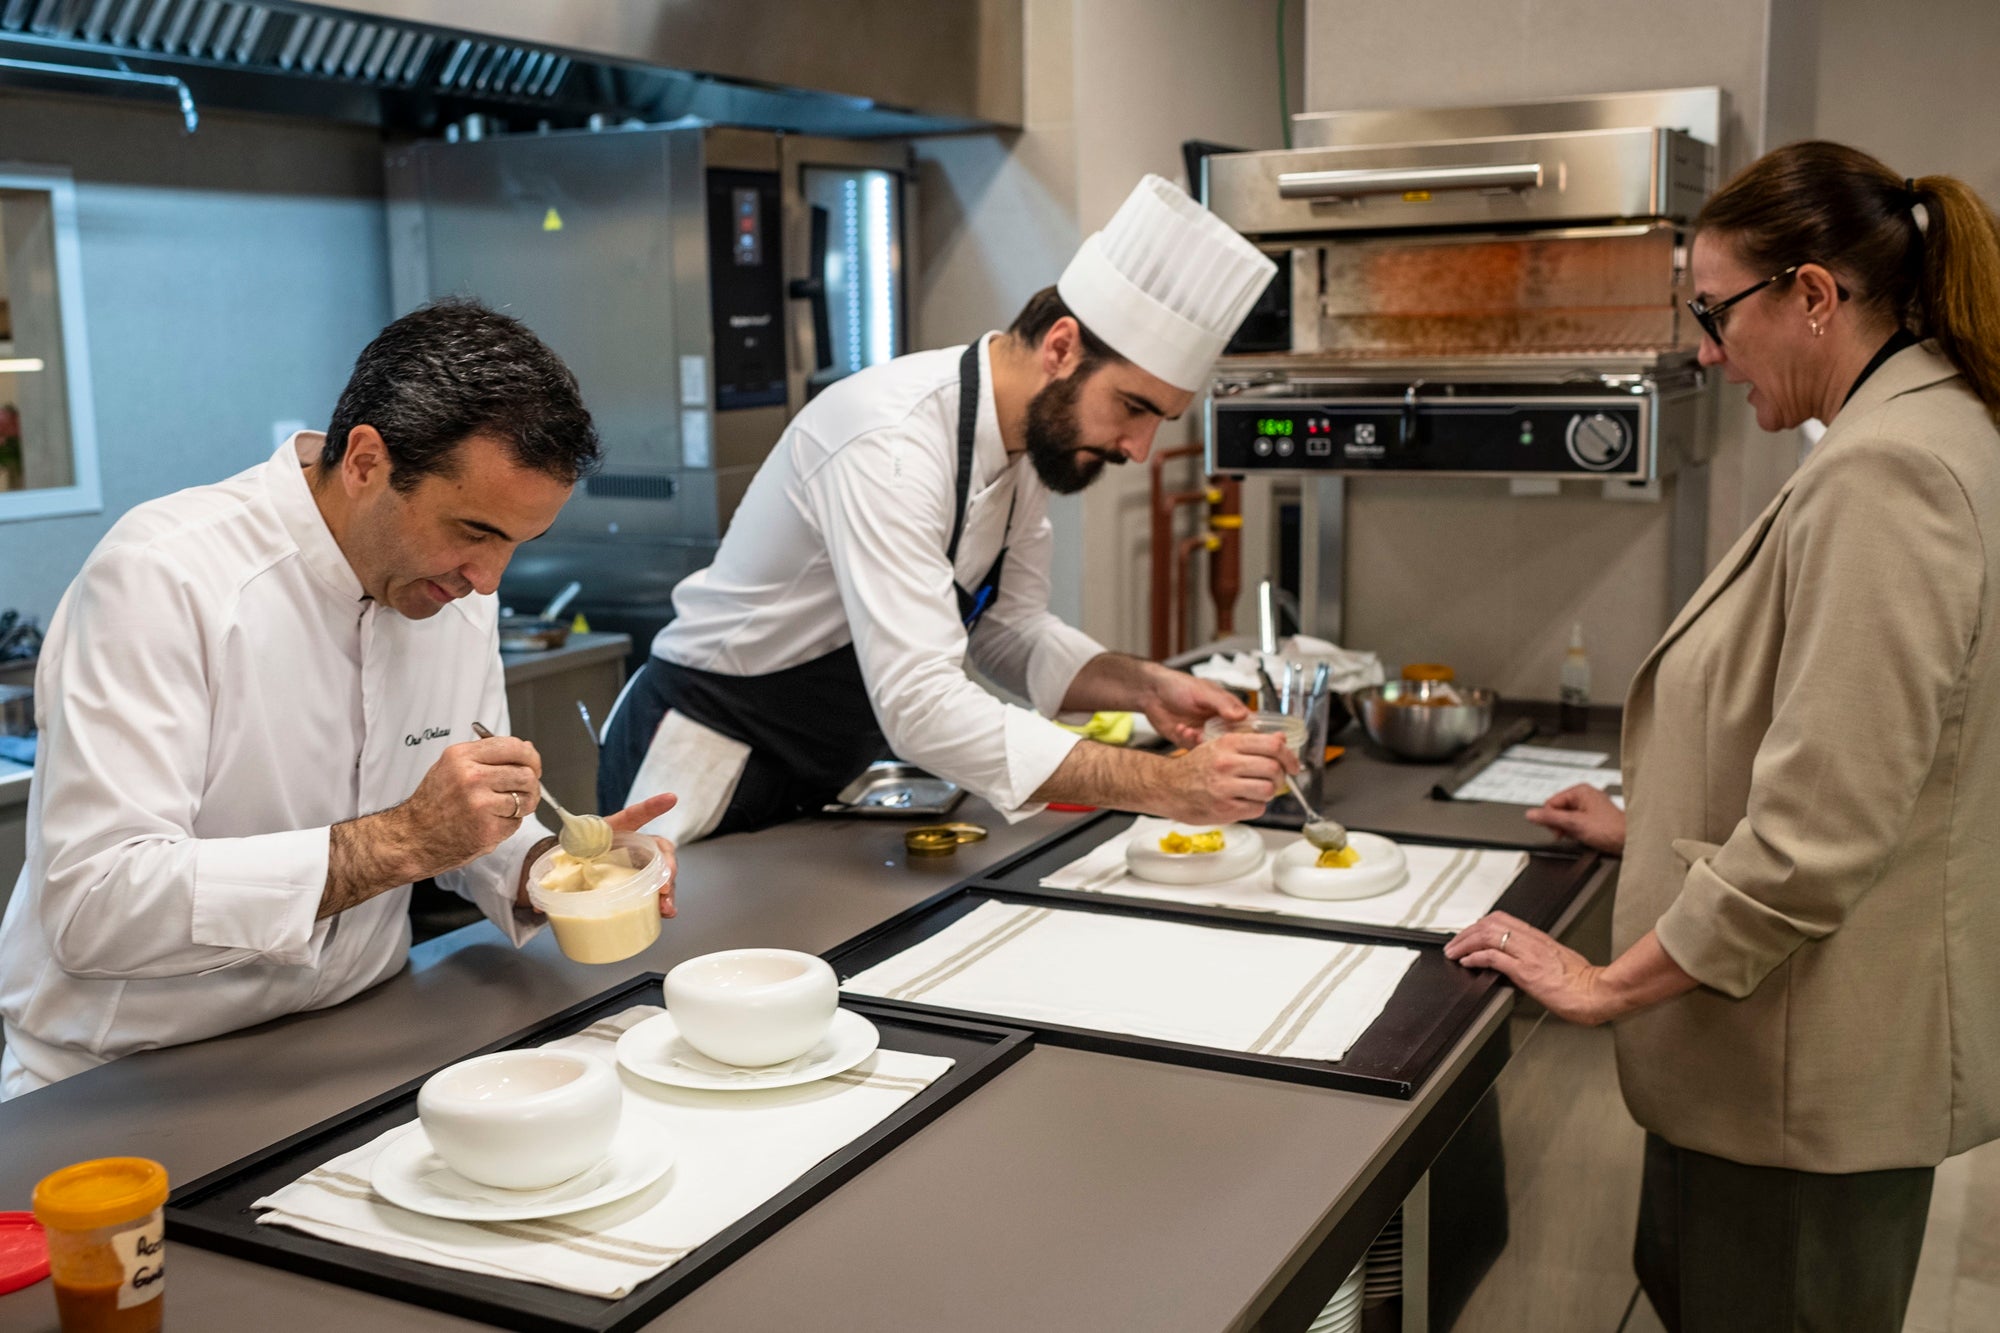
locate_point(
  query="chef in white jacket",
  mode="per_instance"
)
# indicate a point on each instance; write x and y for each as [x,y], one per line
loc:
[899,529]
[255,705]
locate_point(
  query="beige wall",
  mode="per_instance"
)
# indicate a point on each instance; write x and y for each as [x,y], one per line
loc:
[1463,571]
[1113,87]
[1914,85]
[999,222]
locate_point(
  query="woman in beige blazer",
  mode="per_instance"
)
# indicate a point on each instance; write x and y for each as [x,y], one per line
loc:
[1807,987]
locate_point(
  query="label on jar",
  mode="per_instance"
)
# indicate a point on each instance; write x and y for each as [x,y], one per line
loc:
[143,1253]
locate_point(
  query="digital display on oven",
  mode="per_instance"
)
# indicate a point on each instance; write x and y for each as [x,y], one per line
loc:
[1490,435]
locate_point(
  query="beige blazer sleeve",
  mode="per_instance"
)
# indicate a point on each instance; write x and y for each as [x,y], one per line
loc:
[1880,619]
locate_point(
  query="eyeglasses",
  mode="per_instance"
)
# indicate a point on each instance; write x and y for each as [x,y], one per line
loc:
[1710,316]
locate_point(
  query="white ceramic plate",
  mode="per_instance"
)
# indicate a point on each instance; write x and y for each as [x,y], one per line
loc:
[656,1050]
[409,1174]
[1382,868]
[1242,852]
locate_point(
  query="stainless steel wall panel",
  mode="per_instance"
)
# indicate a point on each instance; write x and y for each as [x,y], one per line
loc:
[1696,111]
[577,235]
[1590,175]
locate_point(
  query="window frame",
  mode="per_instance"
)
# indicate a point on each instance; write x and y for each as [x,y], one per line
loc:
[84,495]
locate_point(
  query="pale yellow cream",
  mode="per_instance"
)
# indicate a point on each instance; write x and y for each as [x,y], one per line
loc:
[599,937]
[569,874]
[607,939]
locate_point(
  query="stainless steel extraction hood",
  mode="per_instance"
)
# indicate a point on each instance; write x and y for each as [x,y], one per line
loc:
[900,67]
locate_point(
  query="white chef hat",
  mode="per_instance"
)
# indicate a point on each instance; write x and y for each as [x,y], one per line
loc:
[1165,283]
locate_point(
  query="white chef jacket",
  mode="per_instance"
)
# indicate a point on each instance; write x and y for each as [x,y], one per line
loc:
[842,536]
[214,693]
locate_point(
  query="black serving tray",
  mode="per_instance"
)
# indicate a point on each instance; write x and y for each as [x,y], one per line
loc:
[1436,1002]
[214,1212]
[1539,895]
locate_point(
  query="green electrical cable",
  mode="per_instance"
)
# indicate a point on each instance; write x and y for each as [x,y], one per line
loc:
[1284,99]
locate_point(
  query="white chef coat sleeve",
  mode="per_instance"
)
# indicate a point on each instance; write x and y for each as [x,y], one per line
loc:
[1019,643]
[127,890]
[882,505]
[492,882]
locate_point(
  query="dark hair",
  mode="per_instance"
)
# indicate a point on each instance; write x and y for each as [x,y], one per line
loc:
[454,369]
[1826,203]
[1037,317]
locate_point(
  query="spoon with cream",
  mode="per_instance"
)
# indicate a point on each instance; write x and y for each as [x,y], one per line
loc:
[583,836]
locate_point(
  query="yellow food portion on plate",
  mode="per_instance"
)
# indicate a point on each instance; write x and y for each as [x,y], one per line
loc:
[1186,844]
[1343,859]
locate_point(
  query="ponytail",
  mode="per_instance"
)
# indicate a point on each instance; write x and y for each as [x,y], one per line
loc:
[1834,205]
[1959,291]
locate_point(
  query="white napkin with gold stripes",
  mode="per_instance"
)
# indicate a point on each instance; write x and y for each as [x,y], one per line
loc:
[732,1151]
[1239,990]
[1449,888]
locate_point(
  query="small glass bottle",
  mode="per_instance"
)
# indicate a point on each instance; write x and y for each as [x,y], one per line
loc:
[107,1243]
[1573,692]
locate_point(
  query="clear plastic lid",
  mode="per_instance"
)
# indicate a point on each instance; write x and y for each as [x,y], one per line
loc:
[640,854]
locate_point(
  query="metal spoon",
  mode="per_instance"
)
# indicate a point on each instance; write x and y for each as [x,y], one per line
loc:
[1320,831]
[583,836]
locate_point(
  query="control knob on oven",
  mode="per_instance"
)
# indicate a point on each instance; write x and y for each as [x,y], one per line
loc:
[1598,441]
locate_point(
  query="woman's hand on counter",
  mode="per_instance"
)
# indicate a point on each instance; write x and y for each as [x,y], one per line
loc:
[635,817]
[1562,980]
[1585,814]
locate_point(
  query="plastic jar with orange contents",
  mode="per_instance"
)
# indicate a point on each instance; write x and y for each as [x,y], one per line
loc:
[1429,671]
[107,1243]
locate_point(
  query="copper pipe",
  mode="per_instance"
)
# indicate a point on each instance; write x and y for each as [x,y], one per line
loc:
[1184,597]
[1225,568]
[1159,628]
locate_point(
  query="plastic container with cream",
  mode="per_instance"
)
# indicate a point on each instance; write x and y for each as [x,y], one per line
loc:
[613,910]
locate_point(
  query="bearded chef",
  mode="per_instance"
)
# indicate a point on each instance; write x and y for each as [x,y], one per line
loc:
[899,533]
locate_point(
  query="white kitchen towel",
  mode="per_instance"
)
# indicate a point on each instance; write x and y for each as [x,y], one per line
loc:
[1449,888]
[1348,669]
[732,1152]
[1239,990]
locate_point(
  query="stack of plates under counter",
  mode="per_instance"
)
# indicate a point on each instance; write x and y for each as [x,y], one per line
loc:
[1343,1313]
[1382,1266]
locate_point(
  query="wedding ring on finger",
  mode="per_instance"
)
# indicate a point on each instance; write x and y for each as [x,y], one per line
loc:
[517,805]
[1505,935]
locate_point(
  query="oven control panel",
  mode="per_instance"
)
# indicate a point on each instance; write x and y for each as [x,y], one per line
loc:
[1570,436]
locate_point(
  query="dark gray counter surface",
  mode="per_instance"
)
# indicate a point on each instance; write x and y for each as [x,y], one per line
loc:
[1076,1191]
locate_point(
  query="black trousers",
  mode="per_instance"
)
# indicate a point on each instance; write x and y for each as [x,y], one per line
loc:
[1728,1248]
[810,728]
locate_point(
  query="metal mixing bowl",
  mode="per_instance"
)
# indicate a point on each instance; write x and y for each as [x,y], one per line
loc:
[1397,721]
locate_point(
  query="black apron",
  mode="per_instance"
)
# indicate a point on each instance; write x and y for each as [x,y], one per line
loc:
[811,728]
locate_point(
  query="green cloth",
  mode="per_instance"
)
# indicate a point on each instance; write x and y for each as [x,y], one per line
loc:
[1110,728]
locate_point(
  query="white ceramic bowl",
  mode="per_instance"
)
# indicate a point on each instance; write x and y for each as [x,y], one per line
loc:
[522,1120]
[753,1007]
[1382,867]
[1242,852]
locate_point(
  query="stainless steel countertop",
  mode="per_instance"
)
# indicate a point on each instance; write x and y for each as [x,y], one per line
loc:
[578,650]
[1075,1191]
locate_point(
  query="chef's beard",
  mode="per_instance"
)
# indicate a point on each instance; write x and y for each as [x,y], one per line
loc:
[1064,466]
